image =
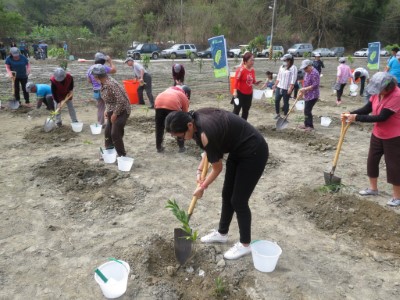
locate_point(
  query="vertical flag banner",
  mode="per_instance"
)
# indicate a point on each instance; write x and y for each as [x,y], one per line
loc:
[219,56]
[374,50]
[268,41]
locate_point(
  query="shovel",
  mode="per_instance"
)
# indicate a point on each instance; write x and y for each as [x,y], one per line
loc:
[49,124]
[183,246]
[13,103]
[282,123]
[330,178]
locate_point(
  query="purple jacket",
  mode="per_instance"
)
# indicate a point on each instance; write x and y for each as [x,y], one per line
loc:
[311,79]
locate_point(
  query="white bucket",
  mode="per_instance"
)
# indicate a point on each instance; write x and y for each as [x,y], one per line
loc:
[265,255]
[77,126]
[109,156]
[125,163]
[353,94]
[269,93]
[353,87]
[116,274]
[300,105]
[257,94]
[95,128]
[326,121]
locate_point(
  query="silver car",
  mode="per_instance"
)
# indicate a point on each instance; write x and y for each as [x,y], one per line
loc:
[323,52]
[179,50]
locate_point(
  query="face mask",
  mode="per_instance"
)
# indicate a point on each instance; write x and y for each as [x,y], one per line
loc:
[284,64]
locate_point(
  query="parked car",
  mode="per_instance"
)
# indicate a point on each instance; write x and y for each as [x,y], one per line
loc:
[384,52]
[337,51]
[361,52]
[151,50]
[300,49]
[237,51]
[205,54]
[322,52]
[179,50]
[276,51]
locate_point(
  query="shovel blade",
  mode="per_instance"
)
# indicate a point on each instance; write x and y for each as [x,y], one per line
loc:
[331,179]
[49,125]
[183,246]
[13,104]
[281,123]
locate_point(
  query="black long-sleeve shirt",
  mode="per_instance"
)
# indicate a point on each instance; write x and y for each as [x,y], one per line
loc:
[363,114]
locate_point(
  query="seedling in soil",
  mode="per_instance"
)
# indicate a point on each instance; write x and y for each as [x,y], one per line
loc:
[183,217]
[200,63]
[219,99]
[220,288]
[146,61]
[330,188]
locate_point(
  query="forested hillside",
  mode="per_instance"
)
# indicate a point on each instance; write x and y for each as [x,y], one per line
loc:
[116,23]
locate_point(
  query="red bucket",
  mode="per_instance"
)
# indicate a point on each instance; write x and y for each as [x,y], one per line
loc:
[131,87]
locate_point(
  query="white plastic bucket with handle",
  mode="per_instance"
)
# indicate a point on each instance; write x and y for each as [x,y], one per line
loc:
[353,88]
[77,126]
[109,156]
[265,255]
[300,105]
[125,163]
[257,94]
[269,93]
[325,121]
[95,128]
[113,278]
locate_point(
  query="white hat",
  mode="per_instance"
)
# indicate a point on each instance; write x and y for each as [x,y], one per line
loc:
[29,86]
[342,60]
[305,63]
[59,74]
[379,82]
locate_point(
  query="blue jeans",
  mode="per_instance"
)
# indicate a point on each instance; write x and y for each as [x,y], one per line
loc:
[279,94]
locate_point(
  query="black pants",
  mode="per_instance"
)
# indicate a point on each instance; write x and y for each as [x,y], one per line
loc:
[279,94]
[241,177]
[147,87]
[362,78]
[114,133]
[23,82]
[244,104]
[161,115]
[339,92]
[308,106]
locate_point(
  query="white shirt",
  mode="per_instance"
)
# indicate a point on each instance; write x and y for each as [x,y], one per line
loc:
[363,73]
[286,77]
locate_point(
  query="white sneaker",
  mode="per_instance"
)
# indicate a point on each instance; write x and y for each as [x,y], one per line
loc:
[214,237]
[237,251]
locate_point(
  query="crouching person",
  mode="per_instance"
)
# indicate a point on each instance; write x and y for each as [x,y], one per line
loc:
[43,94]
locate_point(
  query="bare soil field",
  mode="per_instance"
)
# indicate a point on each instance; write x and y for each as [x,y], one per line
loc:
[64,212]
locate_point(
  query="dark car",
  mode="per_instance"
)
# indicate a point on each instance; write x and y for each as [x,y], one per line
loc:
[205,54]
[151,50]
[337,51]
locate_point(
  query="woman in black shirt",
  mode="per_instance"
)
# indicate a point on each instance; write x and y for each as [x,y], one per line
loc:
[218,132]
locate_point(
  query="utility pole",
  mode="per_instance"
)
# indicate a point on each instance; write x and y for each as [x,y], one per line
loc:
[272,31]
[183,36]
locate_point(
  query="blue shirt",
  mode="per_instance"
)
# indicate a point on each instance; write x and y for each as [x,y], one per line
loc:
[42,90]
[394,70]
[18,66]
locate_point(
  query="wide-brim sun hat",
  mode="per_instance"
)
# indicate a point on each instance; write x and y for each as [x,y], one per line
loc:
[305,63]
[98,69]
[286,57]
[379,82]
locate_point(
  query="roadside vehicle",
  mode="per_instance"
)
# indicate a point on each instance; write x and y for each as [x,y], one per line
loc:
[324,52]
[179,50]
[151,50]
[300,49]
[205,54]
[361,52]
[276,51]
[384,52]
[337,51]
[237,51]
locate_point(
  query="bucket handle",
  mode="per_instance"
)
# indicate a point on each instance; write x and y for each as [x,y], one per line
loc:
[118,261]
[101,275]
[255,241]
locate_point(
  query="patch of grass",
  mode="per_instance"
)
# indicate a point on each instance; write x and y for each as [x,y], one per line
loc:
[220,288]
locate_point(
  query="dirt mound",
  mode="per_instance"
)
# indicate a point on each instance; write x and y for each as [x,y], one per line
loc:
[37,135]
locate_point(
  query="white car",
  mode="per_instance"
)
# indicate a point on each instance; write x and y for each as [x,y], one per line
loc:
[361,52]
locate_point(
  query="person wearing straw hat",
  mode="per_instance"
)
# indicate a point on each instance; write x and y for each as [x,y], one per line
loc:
[384,105]
[144,79]
[18,69]
[43,94]
[118,109]
[100,58]
[310,91]
[62,86]
[217,132]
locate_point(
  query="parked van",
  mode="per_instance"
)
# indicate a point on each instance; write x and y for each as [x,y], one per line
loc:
[300,49]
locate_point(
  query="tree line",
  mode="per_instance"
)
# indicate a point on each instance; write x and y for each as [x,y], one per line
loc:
[88,25]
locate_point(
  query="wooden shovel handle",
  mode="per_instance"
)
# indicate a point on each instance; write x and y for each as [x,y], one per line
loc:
[343,130]
[203,175]
[63,103]
[291,109]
